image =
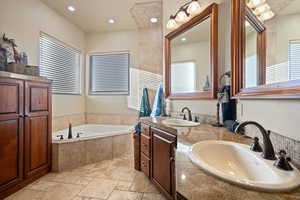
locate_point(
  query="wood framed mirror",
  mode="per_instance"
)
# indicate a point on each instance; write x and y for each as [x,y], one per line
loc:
[271,69]
[191,57]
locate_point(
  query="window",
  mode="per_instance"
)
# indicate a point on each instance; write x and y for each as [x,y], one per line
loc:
[109,74]
[61,64]
[294,60]
[183,77]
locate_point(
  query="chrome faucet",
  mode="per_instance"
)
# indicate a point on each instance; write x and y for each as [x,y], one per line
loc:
[189,111]
[268,150]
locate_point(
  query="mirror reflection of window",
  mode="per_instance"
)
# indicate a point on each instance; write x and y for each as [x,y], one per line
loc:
[283,43]
[251,64]
[183,77]
[190,58]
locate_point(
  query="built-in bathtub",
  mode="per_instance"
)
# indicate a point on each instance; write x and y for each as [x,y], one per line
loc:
[96,143]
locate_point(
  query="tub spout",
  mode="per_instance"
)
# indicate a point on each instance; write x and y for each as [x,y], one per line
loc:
[70,131]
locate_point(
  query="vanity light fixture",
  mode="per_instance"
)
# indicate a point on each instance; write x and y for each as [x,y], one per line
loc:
[255,3]
[261,9]
[184,14]
[153,20]
[71,8]
[111,21]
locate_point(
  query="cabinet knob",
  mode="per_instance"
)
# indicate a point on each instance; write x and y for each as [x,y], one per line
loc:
[172,159]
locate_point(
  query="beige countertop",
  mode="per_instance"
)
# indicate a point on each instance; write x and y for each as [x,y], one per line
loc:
[23,76]
[195,184]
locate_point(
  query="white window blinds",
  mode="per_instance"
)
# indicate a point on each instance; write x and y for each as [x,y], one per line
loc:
[109,74]
[61,64]
[294,60]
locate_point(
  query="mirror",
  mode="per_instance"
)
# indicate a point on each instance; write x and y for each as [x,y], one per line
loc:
[266,49]
[191,57]
[190,60]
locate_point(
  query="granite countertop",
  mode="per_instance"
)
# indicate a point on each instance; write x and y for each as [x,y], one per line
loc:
[23,76]
[195,184]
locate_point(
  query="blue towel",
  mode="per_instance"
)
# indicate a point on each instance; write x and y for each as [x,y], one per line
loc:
[145,110]
[156,110]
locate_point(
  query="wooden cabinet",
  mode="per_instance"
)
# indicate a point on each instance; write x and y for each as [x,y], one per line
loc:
[37,128]
[11,132]
[25,132]
[158,159]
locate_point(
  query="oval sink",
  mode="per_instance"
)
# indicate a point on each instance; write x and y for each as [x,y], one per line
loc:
[180,123]
[237,164]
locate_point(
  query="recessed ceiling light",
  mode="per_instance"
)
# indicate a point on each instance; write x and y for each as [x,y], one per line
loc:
[154,20]
[71,8]
[183,39]
[111,21]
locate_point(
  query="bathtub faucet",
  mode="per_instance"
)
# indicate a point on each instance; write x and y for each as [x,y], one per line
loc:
[70,131]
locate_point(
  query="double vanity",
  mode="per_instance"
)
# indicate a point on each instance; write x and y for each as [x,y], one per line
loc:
[189,160]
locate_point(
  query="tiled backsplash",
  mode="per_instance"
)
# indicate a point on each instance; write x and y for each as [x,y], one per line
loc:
[292,147]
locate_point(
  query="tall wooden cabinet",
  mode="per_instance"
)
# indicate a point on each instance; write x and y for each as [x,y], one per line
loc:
[25,132]
[158,158]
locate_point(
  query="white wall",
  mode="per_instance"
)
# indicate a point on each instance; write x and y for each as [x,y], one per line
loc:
[23,21]
[108,43]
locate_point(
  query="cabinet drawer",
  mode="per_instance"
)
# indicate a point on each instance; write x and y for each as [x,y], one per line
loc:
[145,165]
[145,145]
[145,129]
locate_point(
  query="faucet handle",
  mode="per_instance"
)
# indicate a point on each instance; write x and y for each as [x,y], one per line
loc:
[184,117]
[255,146]
[61,137]
[78,135]
[283,161]
[196,119]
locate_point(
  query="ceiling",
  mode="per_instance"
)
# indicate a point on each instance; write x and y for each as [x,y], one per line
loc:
[292,8]
[92,15]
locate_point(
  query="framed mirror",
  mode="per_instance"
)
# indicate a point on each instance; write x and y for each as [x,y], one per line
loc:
[191,56]
[265,49]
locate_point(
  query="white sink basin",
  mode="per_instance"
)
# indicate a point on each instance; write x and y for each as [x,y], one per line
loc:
[180,123]
[237,164]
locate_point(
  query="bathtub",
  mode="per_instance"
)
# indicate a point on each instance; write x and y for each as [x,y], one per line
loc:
[96,143]
[90,131]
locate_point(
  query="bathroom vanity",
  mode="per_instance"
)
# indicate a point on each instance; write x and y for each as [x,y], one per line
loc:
[164,155]
[25,130]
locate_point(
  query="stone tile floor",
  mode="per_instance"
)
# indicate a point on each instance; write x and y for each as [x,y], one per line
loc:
[107,180]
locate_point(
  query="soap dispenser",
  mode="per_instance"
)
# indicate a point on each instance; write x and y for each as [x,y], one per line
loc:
[70,131]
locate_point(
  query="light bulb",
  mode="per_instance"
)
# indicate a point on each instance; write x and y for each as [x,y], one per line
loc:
[194,8]
[153,20]
[172,24]
[182,17]
[267,15]
[261,9]
[71,8]
[255,3]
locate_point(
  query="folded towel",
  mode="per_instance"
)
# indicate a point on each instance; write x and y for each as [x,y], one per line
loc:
[157,106]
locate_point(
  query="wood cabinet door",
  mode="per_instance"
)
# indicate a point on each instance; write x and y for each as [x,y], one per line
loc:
[37,128]
[163,161]
[11,132]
